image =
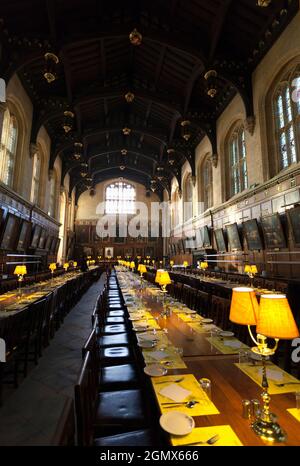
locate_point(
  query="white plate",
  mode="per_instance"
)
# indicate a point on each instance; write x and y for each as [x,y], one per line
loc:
[177,423]
[140,329]
[146,344]
[155,370]
[226,334]
[206,321]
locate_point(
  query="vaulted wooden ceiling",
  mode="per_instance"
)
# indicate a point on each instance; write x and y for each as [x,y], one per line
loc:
[98,65]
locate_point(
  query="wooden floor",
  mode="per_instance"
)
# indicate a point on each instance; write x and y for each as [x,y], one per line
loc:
[30,414]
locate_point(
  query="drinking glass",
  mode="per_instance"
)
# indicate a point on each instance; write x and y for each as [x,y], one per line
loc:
[178,351]
[206,386]
[243,356]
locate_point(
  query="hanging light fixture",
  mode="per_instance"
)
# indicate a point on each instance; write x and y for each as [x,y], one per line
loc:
[51,60]
[129,97]
[84,168]
[186,132]
[124,152]
[78,146]
[126,131]
[122,167]
[211,79]
[68,121]
[135,37]
[171,154]
[263,3]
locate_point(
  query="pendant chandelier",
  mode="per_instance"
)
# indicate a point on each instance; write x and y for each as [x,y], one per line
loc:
[135,37]
[186,131]
[263,3]
[171,154]
[51,62]
[68,121]
[126,131]
[124,152]
[211,80]
[129,97]
[78,146]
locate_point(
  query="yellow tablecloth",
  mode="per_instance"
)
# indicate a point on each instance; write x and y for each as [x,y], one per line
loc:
[175,360]
[295,413]
[228,437]
[205,407]
[189,318]
[219,345]
[254,372]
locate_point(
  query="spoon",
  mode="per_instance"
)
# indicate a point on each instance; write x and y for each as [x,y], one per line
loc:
[210,441]
[286,383]
[188,404]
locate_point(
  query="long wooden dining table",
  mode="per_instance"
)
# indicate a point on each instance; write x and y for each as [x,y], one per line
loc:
[203,358]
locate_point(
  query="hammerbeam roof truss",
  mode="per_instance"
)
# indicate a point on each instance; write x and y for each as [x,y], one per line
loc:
[98,65]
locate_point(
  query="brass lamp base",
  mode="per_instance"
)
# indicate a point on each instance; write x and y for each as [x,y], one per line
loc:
[269,431]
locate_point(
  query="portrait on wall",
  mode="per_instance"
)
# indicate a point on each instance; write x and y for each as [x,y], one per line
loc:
[109,252]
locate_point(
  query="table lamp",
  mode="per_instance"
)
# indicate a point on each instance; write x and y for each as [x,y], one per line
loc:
[142,269]
[164,280]
[66,266]
[273,319]
[52,267]
[158,273]
[132,265]
[75,264]
[251,271]
[203,267]
[20,270]
[172,264]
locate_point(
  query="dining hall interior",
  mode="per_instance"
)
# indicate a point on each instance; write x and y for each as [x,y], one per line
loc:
[149,223]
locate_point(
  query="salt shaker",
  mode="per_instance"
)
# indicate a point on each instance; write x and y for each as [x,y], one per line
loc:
[246,411]
[255,408]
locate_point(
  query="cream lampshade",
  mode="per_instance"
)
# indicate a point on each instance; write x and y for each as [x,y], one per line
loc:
[185,264]
[254,270]
[20,270]
[157,276]
[164,279]
[132,265]
[52,267]
[142,269]
[244,306]
[247,268]
[275,318]
[204,265]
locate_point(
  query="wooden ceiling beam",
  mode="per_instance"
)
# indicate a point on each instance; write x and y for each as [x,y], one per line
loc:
[217,27]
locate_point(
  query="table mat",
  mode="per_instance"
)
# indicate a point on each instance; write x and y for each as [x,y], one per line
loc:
[205,407]
[218,343]
[228,437]
[253,371]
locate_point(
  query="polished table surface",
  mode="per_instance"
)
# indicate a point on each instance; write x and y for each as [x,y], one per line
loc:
[13,302]
[229,384]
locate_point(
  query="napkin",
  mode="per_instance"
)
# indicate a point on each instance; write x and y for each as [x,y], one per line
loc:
[272,374]
[158,355]
[175,393]
[232,343]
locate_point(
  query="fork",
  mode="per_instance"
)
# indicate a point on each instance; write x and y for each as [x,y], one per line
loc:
[170,381]
[210,441]
[286,383]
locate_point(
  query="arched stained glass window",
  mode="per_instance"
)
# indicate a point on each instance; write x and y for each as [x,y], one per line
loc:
[238,161]
[287,119]
[120,198]
[8,148]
